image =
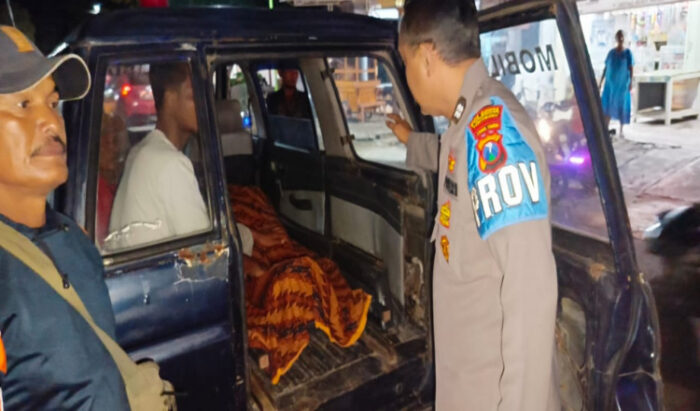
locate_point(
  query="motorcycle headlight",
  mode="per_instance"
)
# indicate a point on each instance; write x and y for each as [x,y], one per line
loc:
[544,130]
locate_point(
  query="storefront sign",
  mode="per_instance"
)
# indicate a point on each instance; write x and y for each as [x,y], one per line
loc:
[525,60]
[597,6]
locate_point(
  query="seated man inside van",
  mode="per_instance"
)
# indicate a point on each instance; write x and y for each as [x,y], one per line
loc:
[288,101]
[114,144]
[290,119]
[158,197]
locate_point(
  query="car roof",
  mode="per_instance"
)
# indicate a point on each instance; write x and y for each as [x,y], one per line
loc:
[231,24]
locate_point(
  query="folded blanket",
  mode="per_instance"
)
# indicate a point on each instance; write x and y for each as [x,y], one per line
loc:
[298,290]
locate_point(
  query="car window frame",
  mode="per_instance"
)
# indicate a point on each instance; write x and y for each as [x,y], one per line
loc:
[405,102]
[167,246]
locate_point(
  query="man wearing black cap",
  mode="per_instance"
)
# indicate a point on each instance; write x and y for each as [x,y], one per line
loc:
[52,358]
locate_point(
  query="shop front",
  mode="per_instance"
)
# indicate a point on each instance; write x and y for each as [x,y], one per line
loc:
[663,38]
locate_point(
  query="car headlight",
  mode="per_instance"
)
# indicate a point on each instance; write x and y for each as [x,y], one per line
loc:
[544,130]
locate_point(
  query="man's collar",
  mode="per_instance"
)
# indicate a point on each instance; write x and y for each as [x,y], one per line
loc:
[473,79]
[52,221]
[156,133]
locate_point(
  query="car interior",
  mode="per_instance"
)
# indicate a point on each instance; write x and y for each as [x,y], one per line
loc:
[287,158]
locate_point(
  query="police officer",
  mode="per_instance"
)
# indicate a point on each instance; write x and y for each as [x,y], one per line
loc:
[50,358]
[495,286]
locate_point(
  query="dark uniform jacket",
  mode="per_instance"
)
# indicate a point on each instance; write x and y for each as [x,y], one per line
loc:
[298,106]
[55,361]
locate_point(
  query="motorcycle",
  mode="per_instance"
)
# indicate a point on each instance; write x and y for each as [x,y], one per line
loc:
[565,146]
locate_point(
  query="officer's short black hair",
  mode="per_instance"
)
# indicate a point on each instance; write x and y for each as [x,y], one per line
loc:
[451,25]
[166,76]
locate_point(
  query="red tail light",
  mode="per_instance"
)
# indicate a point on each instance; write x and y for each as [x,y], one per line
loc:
[126,89]
[154,3]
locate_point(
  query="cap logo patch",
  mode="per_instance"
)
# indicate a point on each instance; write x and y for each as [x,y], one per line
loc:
[23,45]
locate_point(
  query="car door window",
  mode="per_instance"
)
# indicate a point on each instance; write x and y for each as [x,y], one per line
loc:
[368,93]
[529,59]
[238,91]
[150,180]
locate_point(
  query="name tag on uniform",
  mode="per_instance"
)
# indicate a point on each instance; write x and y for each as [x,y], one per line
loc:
[505,182]
[451,186]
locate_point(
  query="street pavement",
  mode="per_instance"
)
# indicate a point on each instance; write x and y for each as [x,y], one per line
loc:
[659,167]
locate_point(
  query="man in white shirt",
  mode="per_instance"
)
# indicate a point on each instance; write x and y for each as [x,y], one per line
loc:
[158,197]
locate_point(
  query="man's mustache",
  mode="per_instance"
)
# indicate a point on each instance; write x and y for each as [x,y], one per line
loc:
[54,139]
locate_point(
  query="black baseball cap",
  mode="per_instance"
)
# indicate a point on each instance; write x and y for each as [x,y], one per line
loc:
[22,66]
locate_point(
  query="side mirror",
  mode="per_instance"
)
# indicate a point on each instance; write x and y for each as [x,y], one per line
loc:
[675,231]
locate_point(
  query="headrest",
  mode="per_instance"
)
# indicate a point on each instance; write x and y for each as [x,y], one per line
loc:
[228,113]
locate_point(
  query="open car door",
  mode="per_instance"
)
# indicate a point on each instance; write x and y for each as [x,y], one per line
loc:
[607,329]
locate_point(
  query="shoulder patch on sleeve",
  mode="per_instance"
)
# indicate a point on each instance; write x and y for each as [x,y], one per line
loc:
[504,177]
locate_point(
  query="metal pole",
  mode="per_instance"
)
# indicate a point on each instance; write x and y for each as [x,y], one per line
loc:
[9,11]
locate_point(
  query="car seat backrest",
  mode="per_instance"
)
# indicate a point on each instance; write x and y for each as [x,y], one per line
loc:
[236,143]
[235,140]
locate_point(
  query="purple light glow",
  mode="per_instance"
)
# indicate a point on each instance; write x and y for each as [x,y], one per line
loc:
[577,160]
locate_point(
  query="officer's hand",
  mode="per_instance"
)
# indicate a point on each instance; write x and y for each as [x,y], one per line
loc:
[400,127]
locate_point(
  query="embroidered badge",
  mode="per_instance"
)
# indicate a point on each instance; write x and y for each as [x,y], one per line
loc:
[451,162]
[486,129]
[503,192]
[445,213]
[445,245]
[451,186]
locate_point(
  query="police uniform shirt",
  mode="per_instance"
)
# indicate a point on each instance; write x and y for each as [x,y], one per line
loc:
[54,360]
[495,286]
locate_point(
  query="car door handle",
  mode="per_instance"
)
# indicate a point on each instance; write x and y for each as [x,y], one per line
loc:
[300,203]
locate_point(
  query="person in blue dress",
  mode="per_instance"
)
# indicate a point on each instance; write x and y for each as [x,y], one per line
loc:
[617,77]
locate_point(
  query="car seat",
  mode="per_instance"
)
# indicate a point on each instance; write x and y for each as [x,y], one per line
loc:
[236,143]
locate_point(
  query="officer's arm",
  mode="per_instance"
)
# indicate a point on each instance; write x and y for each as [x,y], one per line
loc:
[422,151]
[422,148]
[512,214]
[529,303]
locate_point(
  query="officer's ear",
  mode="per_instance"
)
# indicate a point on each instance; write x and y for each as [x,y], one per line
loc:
[427,55]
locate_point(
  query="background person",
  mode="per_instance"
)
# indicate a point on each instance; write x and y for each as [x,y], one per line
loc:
[288,101]
[617,83]
[114,143]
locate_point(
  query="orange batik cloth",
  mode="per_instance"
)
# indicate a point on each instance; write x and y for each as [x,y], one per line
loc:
[298,290]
